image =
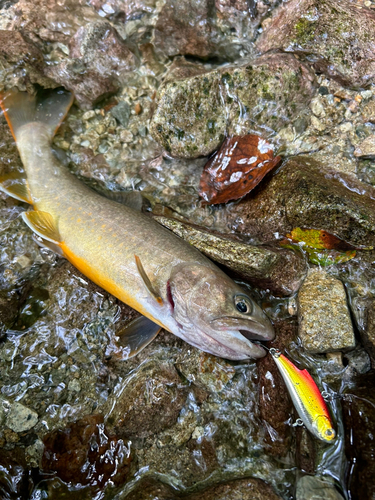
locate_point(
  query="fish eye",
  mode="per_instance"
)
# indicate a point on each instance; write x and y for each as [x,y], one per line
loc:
[243,304]
[330,433]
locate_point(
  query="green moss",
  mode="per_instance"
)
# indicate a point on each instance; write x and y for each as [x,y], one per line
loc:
[304,31]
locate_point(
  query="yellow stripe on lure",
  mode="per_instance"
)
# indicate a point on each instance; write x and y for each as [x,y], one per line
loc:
[306,398]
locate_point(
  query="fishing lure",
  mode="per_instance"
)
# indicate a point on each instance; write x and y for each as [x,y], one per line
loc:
[306,398]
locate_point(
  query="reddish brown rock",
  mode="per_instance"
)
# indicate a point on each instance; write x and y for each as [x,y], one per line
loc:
[22,63]
[336,36]
[99,60]
[50,20]
[85,453]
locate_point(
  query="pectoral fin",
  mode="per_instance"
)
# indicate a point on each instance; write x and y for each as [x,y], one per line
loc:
[16,186]
[43,224]
[137,335]
[147,281]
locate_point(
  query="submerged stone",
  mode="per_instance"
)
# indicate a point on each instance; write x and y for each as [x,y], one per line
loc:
[244,489]
[99,58]
[324,318]
[20,418]
[305,193]
[193,114]
[281,271]
[336,36]
[316,488]
[21,62]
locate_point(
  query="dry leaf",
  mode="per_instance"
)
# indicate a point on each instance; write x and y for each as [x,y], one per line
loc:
[238,166]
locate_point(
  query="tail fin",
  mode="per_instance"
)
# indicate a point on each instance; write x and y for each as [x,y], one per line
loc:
[21,108]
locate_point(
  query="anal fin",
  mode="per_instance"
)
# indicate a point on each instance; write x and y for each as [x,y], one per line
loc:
[16,186]
[147,281]
[137,335]
[43,224]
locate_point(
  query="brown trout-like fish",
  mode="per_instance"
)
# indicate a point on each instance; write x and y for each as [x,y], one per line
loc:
[123,250]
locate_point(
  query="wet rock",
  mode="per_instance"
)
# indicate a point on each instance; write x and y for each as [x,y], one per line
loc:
[21,63]
[324,319]
[359,420]
[368,112]
[48,20]
[281,271]
[150,403]
[316,488]
[359,360]
[305,193]
[337,36]
[275,405]
[185,28]
[86,453]
[366,149]
[9,303]
[367,331]
[193,114]
[189,120]
[122,113]
[246,489]
[305,452]
[206,371]
[205,29]
[20,418]
[98,61]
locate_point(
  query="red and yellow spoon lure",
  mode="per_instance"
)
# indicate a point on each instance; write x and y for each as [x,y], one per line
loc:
[306,398]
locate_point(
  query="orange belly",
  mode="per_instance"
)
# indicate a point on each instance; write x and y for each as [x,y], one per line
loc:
[104,282]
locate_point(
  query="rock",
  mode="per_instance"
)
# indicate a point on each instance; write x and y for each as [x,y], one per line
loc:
[99,60]
[367,331]
[185,28]
[316,488]
[275,406]
[150,403]
[281,271]
[304,193]
[359,360]
[189,120]
[337,36]
[9,303]
[48,20]
[86,453]
[205,29]
[21,63]
[324,318]
[206,371]
[366,149]
[368,112]
[193,114]
[20,418]
[122,113]
[244,489]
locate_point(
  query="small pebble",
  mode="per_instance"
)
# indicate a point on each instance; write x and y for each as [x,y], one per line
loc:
[20,418]
[138,108]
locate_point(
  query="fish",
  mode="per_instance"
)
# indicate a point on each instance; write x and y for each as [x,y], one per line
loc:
[122,249]
[306,397]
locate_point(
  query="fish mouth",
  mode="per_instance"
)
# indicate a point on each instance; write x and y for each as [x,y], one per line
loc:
[244,331]
[257,329]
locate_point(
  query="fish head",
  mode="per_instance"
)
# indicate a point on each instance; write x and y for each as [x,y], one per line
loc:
[215,314]
[323,428]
